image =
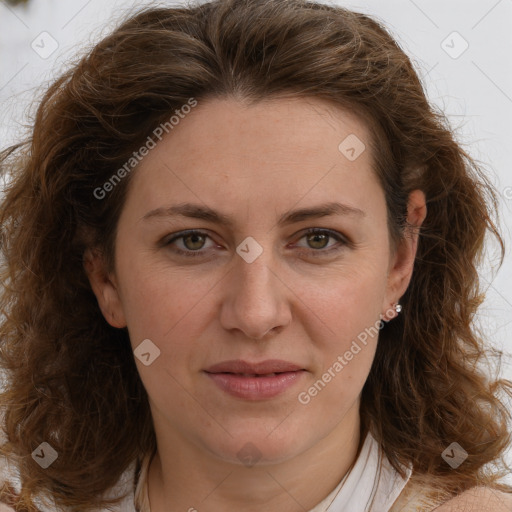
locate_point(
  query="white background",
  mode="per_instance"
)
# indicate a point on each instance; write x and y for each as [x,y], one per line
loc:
[473,89]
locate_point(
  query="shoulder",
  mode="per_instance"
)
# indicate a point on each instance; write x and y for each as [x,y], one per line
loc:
[5,508]
[478,499]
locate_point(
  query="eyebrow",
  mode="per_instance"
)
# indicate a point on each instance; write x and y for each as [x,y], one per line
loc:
[196,211]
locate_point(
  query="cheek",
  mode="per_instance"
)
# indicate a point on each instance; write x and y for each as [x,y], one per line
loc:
[161,303]
[347,300]
[170,309]
[348,315]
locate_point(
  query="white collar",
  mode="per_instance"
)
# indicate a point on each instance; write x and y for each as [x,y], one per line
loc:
[364,483]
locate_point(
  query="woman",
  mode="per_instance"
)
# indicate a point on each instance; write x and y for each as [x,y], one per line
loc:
[240,272]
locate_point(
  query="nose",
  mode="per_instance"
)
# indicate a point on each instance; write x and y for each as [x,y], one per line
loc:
[256,301]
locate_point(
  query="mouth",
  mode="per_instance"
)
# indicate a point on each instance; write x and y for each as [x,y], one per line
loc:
[255,381]
[253,374]
[268,367]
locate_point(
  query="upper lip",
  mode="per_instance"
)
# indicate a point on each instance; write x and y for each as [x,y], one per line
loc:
[261,368]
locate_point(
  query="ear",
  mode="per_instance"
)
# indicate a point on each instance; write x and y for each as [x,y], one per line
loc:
[402,262]
[104,287]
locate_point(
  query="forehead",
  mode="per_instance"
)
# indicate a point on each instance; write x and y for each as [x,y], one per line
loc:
[269,131]
[270,154]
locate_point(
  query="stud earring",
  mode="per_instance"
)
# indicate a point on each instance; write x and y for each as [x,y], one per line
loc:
[398,307]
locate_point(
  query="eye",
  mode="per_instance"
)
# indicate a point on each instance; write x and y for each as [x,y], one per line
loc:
[318,238]
[192,241]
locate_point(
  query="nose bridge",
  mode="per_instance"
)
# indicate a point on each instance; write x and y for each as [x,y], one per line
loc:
[255,302]
[255,286]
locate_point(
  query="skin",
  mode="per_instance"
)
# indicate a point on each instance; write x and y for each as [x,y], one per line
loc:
[295,302]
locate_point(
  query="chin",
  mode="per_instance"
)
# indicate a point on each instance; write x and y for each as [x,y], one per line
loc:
[259,447]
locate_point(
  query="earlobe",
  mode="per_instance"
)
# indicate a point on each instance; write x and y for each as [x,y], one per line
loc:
[104,288]
[402,264]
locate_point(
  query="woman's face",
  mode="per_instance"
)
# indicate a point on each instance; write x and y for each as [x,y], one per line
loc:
[252,287]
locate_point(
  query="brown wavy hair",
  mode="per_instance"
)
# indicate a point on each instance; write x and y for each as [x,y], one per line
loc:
[71,379]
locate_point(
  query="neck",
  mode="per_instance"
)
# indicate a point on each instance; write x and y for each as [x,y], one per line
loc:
[184,477]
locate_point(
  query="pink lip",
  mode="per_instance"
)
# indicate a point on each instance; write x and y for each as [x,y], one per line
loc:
[252,381]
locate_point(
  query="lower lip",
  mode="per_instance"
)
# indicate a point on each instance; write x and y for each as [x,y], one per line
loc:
[255,388]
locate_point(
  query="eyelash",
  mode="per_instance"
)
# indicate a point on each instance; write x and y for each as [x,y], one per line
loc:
[313,231]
